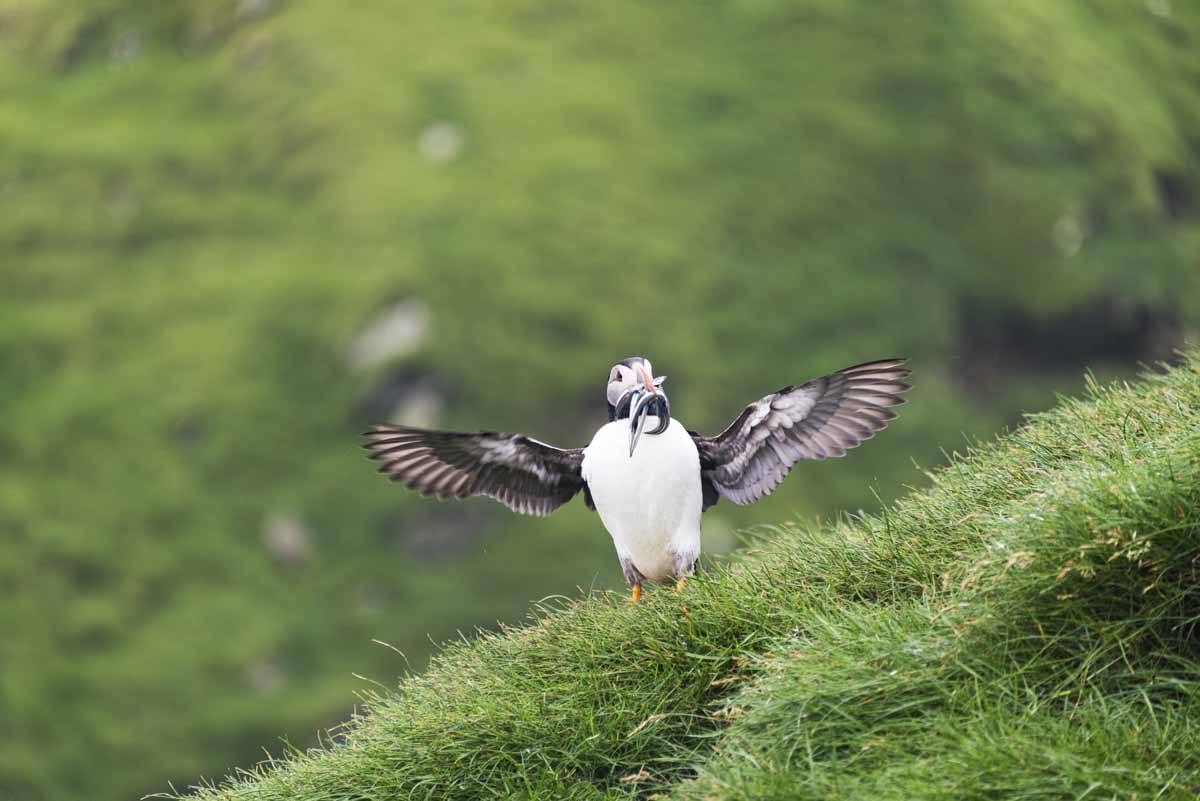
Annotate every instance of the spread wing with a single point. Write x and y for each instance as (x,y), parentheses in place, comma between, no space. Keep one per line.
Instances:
(821,419)
(525,475)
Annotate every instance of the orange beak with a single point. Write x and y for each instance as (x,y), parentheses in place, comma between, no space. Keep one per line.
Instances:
(648,380)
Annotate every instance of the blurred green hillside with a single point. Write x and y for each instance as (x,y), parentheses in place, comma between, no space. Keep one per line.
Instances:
(204,206)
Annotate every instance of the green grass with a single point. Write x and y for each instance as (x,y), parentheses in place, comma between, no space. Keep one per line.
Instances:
(193,232)
(1025,628)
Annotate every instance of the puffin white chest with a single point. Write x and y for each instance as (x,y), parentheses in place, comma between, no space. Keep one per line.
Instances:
(649,502)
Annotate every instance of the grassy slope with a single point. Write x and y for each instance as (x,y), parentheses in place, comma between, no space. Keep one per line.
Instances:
(190,238)
(1026,628)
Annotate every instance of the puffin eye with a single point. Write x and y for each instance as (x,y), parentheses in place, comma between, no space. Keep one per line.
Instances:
(617,375)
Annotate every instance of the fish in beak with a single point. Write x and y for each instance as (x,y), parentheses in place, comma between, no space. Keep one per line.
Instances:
(649,400)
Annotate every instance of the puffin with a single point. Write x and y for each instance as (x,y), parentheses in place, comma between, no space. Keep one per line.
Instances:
(649,478)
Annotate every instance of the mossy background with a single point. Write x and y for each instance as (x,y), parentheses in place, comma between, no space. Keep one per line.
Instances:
(202,204)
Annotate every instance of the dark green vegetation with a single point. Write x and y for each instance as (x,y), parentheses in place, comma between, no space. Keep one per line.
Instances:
(1029,627)
(203,202)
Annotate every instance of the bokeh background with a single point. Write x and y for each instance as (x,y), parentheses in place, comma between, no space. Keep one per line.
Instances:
(235,232)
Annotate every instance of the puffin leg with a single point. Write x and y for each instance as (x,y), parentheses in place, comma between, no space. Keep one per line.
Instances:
(685,566)
(634,578)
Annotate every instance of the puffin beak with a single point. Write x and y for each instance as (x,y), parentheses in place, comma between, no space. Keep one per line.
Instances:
(648,380)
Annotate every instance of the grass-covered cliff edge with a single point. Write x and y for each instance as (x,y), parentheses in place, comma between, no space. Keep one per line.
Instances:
(1025,628)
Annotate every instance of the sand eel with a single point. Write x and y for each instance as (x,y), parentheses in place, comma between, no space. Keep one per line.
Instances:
(647,476)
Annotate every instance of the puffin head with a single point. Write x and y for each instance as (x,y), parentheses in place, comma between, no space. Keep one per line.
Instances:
(634,392)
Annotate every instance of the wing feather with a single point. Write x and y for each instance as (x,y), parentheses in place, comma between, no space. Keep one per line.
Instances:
(524,474)
(821,419)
